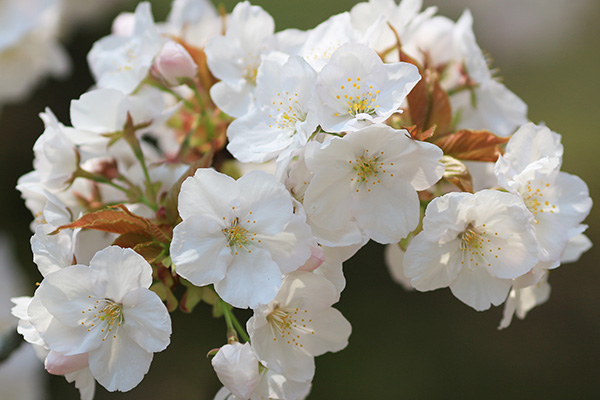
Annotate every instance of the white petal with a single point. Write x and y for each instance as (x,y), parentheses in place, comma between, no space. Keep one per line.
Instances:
(118,271)
(120,364)
(146,320)
(199,250)
(252,279)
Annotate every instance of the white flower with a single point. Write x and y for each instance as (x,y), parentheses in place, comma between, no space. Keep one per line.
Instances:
(55,154)
(558,201)
(235,57)
(370,178)
(122,62)
(29,47)
(356,89)
(298,325)
(107,311)
(240,235)
(283,120)
(475,244)
(236,366)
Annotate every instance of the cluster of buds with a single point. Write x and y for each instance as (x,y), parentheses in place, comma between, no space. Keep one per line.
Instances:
(369,126)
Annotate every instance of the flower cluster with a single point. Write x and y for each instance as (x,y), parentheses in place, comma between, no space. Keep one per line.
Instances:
(369,125)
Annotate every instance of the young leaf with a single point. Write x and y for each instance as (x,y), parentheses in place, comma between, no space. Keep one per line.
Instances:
(472,145)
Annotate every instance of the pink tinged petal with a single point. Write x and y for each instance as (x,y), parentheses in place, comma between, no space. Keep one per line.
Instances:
(389,211)
(204,194)
(316,259)
(478,289)
(120,364)
(59,364)
(119,271)
(174,63)
(199,250)
(146,320)
(252,279)
(236,366)
(431,265)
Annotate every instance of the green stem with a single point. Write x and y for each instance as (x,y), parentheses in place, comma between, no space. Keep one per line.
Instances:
(233,325)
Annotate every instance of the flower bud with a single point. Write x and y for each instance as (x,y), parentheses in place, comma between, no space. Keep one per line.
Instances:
(174,63)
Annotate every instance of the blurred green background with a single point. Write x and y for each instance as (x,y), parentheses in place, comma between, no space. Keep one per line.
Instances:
(404,344)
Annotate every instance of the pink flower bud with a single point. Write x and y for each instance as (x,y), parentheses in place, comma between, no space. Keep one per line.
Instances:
(59,364)
(174,63)
(124,24)
(317,257)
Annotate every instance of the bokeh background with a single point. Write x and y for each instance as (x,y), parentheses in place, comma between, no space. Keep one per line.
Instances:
(404,344)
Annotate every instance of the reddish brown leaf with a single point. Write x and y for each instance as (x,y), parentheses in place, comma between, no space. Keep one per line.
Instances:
(118,219)
(151,251)
(472,145)
(429,104)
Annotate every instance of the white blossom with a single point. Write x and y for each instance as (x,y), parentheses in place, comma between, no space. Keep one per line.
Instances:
(107,311)
(122,62)
(298,325)
(475,244)
(370,178)
(283,120)
(240,235)
(356,89)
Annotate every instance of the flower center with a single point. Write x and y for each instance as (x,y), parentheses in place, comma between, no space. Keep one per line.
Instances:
(236,234)
(359,99)
(289,324)
(106,315)
(288,112)
(534,201)
(477,247)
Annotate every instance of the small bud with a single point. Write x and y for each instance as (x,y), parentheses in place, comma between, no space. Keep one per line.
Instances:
(317,257)
(174,63)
